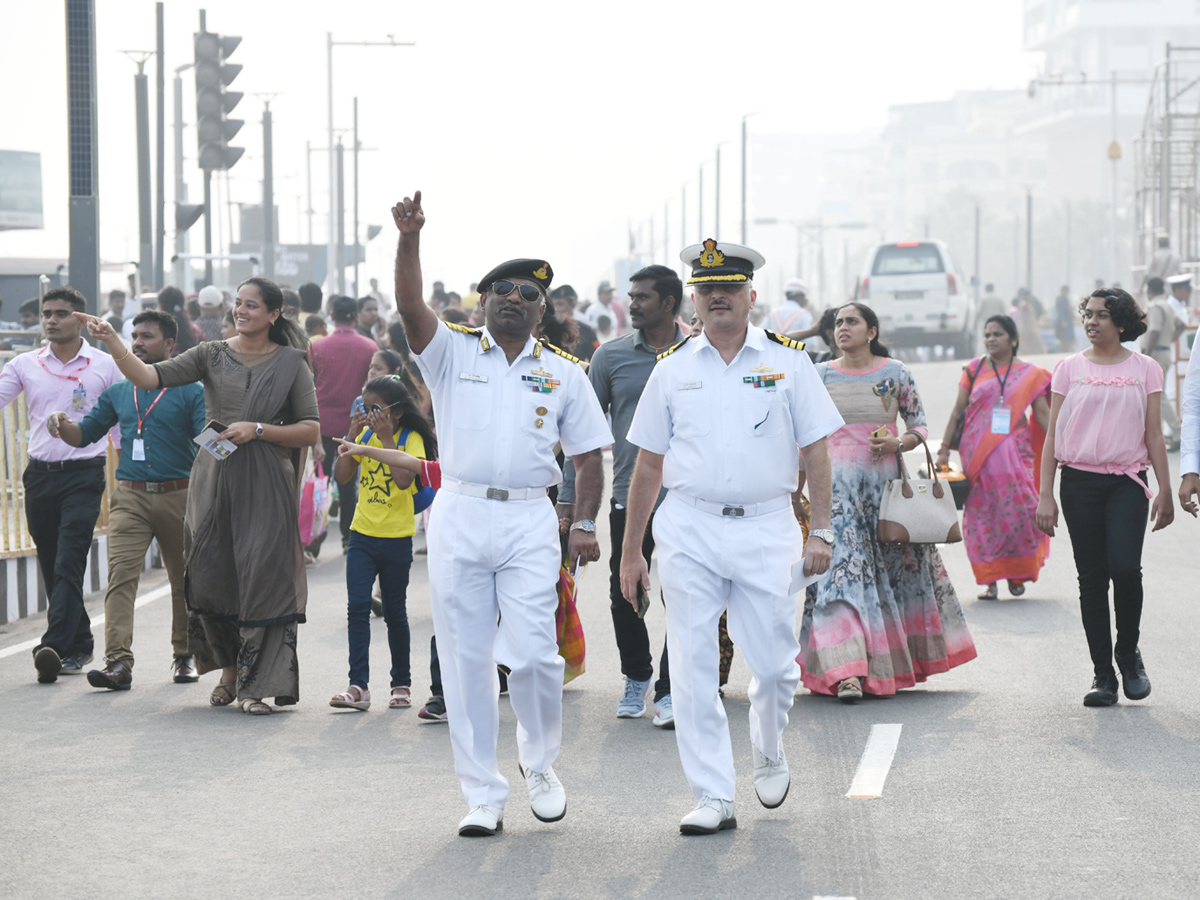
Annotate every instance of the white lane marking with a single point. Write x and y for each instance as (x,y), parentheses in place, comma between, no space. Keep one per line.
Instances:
(148,597)
(875,763)
(830,897)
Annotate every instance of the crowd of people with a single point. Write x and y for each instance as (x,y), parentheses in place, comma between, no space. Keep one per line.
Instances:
(752,465)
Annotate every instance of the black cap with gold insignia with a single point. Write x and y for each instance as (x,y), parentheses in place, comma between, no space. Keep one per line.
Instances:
(713,261)
(536,270)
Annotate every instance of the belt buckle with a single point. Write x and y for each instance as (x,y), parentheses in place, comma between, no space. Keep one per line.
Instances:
(153,487)
(734,512)
(497,494)
(55,466)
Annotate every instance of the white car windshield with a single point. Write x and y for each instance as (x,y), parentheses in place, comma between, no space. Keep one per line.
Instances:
(911,259)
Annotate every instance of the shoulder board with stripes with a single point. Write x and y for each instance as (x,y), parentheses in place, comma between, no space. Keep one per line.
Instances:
(563,353)
(671,350)
(783,339)
(464,329)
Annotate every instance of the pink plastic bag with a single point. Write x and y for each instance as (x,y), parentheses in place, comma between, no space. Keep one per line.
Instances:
(314,506)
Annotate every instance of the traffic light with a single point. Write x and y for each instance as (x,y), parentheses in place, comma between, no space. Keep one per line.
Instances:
(214,101)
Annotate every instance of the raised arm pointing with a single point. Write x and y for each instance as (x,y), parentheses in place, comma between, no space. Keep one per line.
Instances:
(420,323)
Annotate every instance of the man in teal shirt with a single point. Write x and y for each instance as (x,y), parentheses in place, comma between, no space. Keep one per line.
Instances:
(150,499)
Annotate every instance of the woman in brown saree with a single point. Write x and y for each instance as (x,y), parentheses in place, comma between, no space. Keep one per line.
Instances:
(245,582)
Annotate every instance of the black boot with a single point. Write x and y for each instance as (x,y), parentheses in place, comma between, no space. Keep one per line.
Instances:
(1133,676)
(1103,692)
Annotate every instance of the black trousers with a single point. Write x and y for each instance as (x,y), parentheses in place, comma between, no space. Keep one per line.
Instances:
(347,493)
(61,509)
(1106,516)
(633,641)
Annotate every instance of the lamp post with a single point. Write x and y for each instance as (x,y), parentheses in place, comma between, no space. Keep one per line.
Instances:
(334,196)
(717,220)
(744,118)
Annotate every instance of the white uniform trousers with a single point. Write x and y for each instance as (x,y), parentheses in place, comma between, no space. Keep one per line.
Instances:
(706,563)
(489,559)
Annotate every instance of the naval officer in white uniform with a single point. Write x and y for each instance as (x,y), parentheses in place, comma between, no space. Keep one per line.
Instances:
(721,423)
(502,402)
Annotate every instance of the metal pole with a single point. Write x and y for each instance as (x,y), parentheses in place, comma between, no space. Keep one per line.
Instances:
(340,251)
(1067,204)
(977,247)
(84,215)
(683,228)
(268,200)
(308,176)
(1164,205)
(141,88)
(743,180)
(666,232)
(717,218)
(1029,239)
(208,266)
(356,294)
(160,235)
(700,203)
(1112,225)
(331,244)
(181,243)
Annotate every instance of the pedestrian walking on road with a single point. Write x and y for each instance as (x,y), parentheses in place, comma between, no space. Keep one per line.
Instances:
(63,485)
(721,424)
(1005,412)
(157,453)
(502,402)
(381,535)
(887,616)
(1163,328)
(618,374)
(246,585)
(1105,430)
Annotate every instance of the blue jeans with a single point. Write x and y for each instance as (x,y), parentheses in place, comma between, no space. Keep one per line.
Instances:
(390,559)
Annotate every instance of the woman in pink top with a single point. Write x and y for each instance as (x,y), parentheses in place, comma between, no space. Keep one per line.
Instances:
(1104,431)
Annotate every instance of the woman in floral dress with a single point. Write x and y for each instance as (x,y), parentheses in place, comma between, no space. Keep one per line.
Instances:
(886,615)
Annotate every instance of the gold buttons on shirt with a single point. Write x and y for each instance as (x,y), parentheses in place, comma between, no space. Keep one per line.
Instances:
(541,410)
(540,422)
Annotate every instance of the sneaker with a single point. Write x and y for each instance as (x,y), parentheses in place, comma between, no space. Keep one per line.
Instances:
(709,817)
(547,798)
(434,710)
(73,664)
(1103,692)
(633,704)
(664,713)
(48,664)
(1133,676)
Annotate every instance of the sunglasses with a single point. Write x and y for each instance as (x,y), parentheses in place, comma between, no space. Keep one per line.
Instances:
(375,407)
(529,293)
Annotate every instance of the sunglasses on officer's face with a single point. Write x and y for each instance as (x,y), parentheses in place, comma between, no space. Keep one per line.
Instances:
(528,292)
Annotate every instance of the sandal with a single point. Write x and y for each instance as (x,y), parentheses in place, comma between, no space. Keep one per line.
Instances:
(354,698)
(991,593)
(1016,588)
(401,697)
(223,694)
(252,707)
(849,690)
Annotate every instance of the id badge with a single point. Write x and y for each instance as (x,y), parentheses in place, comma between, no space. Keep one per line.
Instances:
(139,449)
(1000,419)
(78,398)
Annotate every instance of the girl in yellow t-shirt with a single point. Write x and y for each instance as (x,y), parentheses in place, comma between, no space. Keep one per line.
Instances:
(381,534)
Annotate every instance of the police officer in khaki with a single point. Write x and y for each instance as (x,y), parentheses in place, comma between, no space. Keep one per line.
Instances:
(721,424)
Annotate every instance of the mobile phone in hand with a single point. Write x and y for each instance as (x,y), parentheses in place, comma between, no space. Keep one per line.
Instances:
(880,432)
(643,604)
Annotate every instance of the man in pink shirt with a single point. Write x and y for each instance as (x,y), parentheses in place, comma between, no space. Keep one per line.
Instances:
(63,484)
(340,363)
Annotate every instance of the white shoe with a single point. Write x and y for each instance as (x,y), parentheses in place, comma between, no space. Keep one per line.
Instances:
(547,798)
(709,817)
(664,713)
(771,778)
(482,821)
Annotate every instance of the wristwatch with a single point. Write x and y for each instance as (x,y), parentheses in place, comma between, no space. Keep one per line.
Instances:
(584,525)
(258,430)
(824,534)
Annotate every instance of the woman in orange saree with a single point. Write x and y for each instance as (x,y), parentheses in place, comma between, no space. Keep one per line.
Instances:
(1005,401)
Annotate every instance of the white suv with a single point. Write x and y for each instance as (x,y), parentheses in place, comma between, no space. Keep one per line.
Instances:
(916,291)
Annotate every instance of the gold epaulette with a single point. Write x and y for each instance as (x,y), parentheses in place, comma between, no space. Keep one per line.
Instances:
(563,353)
(671,350)
(464,329)
(784,339)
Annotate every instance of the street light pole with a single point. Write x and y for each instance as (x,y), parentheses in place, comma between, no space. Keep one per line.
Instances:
(356,294)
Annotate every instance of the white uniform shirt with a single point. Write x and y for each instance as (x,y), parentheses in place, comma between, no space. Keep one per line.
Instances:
(498,424)
(1189,410)
(729,434)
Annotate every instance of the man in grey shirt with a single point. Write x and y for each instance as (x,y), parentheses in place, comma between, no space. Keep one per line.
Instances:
(619,371)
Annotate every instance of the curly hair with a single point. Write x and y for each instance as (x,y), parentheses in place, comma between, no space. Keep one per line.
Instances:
(1124,310)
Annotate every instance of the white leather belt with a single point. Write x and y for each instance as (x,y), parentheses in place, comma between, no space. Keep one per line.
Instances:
(491,493)
(735,511)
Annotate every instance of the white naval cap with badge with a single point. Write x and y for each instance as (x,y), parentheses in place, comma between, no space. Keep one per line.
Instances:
(725,263)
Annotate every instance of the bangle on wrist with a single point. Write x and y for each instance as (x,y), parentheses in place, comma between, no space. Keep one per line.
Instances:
(118,359)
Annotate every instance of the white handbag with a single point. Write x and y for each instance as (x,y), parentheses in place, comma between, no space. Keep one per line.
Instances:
(917,510)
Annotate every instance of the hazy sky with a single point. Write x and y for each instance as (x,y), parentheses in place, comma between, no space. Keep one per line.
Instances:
(533,128)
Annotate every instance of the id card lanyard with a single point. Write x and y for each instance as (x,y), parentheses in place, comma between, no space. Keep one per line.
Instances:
(139,446)
(1001,417)
(79,395)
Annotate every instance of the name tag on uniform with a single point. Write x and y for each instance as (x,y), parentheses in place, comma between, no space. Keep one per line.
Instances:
(471,376)
(689,385)
(1000,420)
(139,449)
